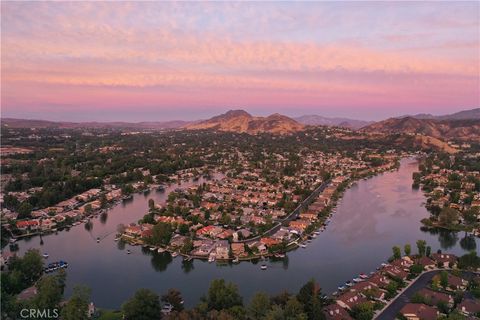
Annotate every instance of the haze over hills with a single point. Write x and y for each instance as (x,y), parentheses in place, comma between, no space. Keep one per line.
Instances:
(27,123)
(461,115)
(440,129)
(243,122)
(316,120)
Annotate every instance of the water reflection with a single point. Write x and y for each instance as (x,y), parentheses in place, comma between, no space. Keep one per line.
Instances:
(103,217)
(187,266)
(160,261)
(468,242)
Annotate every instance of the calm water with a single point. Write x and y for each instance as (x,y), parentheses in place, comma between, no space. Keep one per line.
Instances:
(373,216)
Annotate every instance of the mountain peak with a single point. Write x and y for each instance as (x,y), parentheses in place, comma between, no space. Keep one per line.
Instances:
(242,122)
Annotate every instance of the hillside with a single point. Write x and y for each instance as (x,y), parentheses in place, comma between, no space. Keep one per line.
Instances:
(243,122)
(316,120)
(440,129)
(461,115)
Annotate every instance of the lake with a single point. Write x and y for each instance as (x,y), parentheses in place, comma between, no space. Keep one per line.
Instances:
(373,216)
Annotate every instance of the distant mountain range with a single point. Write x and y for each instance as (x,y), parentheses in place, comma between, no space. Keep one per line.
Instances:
(462,125)
(26,123)
(243,122)
(316,120)
(461,115)
(440,129)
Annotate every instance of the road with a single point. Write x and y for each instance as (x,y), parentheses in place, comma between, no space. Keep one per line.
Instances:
(394,308)
(292,215)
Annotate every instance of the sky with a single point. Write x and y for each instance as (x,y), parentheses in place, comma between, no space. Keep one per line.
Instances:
(158,61)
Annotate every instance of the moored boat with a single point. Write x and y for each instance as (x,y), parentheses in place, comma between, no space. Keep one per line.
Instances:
(263,267)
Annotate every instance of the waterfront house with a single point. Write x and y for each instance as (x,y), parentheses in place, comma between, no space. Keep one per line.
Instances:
(419,311)
(404,263)
(335,312)
(444,260)
(28,224)
(222,250)
(238,249)
(177,241)
(350,299)
(395,272)
(425,262)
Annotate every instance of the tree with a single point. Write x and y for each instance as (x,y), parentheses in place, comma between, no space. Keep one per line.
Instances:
(421,246)
(222,295)
(448,216)
(144,305)
(428,251)
(363,311)
(294,310)
(30,266)
(259,306)
(444,279)
(397,253)
(469,261)
(161,233)
(407,249)
(174,297)
(50,291)
(151,204)
(24,210)
(310,296)
(77,307)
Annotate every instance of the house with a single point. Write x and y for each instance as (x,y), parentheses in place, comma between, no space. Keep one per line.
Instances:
(444,260)
(404,263)
(222,250)
(177,241)
(426,262)
(133,231)
(419,311)
(350,299)
(28,293)
(469,307)
(434,297)
(238,249)
(335,312)
(23,225)
(269,242)
(380,280)
(456,283)
(396,272)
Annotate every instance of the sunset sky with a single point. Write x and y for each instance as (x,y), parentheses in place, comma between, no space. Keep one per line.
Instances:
(155,61)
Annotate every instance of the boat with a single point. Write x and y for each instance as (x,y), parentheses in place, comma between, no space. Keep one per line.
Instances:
(357,280)
(303,245)
(98,240)
(236,260)
(152,248)
(211,258)
(174,254)
(116,239)
(160,250)
(45,255)
(341,288)
(13,240)
(362,276)
(279,255)
(263,267)
(349,283)
(128,251)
